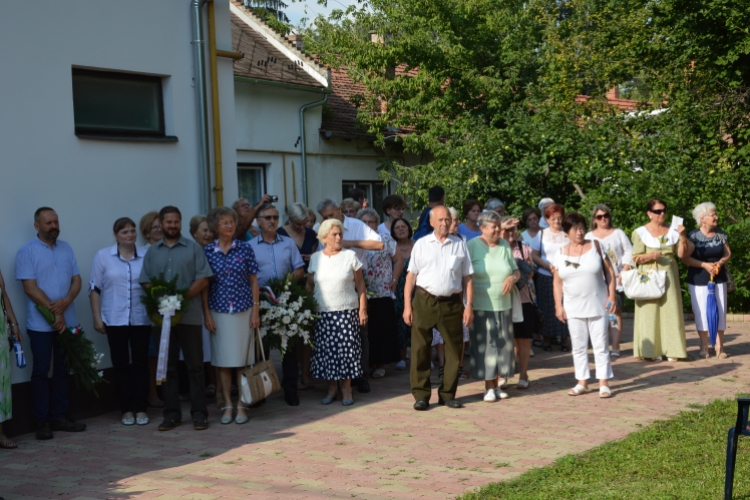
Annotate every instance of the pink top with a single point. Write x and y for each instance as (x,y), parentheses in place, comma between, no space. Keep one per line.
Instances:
(526,255)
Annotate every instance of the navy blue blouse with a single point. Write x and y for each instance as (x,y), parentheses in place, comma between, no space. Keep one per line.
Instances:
(229,290)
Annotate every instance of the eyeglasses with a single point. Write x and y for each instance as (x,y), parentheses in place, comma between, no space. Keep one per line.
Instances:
(659,211)
(602,216)
(270,217)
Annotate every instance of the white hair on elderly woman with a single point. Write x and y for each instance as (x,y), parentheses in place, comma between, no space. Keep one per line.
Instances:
(493,204)
(297,212)
(488,217)
(368,211)
(326,226)
(453,212)
(702,210)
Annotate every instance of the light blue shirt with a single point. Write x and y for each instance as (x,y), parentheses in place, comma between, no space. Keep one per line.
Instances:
(276,259)
(116,281)
(467,233)
(53,269)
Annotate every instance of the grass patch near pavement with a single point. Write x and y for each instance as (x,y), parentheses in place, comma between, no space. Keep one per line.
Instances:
(680,458)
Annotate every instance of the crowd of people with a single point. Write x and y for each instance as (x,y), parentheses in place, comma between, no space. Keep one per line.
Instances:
(388,296)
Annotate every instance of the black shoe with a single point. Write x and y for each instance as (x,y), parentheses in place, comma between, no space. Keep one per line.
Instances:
(200,422)
(422,405)
(43,431)
(258,404)
(67,425)
(291,399)
(169,424)
(363,385)
(452,403)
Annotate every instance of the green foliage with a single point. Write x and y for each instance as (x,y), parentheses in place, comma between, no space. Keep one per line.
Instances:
(487,91)
(682,457)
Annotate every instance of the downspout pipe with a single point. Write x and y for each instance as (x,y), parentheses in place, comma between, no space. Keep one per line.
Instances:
(199,70)
(303,142)
(215,107)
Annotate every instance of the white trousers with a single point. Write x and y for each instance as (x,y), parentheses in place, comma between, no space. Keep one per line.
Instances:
(699,295)
(581,329)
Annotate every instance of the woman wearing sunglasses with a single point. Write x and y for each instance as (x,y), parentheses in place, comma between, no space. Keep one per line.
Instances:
(659,325)
(618,248)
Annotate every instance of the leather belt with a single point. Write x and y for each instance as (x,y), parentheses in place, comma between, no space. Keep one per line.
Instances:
(438,298)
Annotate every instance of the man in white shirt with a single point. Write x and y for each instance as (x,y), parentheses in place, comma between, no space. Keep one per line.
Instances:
(358,237)
(440,268)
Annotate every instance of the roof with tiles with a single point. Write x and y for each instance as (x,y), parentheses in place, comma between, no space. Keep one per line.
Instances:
(264,59)
(341,118)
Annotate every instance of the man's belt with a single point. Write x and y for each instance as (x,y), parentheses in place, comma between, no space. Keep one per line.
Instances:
(438,298)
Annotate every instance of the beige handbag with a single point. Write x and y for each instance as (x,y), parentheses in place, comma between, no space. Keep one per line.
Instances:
(260,380)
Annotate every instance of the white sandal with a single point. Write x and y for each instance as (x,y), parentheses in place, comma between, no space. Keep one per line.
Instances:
(224,419)
(578,390)
(605,392)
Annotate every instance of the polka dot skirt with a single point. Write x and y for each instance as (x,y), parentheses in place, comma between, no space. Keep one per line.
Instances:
(338,352)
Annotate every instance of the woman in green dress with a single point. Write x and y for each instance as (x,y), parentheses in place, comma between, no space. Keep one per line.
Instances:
(659,329)
(8,327)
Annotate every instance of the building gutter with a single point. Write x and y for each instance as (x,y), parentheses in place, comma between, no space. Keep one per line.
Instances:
(303,144)
(199,70)
(288,86)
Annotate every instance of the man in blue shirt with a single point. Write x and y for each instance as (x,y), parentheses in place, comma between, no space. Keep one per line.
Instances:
(49,272)
(278,255)
(435,198)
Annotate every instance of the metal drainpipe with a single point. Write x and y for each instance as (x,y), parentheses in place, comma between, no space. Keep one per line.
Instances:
(303,145)
(199,62)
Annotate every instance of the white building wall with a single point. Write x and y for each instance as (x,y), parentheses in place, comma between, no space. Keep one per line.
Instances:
(93,182)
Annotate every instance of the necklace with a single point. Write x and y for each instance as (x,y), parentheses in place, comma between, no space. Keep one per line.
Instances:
(578,260)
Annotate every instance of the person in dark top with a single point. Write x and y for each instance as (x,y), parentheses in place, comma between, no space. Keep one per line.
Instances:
(707,255)
(359,196)
(296,228)
(435,197)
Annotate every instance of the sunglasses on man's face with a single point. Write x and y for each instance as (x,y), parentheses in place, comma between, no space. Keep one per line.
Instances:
(659,211)
(270,217)
(602,216)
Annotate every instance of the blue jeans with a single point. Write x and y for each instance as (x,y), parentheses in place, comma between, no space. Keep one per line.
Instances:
(50,401)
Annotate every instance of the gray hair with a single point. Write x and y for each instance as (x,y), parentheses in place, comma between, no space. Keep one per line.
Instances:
(213,217)
(297,212)
(601,207)
(368,211)
(488,217)
(453,212)
(264,208)
(702,210)
(326,226)
(544,202)
(236,203)
(327,202)
(493,203)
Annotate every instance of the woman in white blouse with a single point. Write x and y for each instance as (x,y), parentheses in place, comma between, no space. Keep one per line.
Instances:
(335,275)
(545,246)
(617,246)
(115,297)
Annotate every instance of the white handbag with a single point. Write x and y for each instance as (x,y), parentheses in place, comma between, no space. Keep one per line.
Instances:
(644,285)
(517,307)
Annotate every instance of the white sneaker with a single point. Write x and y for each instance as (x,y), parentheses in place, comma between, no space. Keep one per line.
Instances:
(401,365)
(501,394)
(504,384)
(490,396)
(522,384)
(531,353)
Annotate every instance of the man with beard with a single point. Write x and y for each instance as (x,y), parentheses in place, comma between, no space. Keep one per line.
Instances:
(440,268)
(176,255)
(49,272)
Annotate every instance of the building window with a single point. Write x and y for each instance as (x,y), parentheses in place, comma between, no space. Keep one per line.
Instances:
(108,104)
(374,190)
(252,181)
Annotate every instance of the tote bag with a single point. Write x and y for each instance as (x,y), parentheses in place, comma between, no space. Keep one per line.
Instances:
(644,285)
(260,380)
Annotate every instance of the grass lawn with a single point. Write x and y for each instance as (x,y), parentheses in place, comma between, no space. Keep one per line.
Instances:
(680,458)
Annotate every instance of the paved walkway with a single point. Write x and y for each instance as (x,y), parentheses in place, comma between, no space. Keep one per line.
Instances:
(378,448)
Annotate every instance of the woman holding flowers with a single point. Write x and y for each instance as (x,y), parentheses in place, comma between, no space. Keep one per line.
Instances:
(336,278)
(232,307)
(114,294)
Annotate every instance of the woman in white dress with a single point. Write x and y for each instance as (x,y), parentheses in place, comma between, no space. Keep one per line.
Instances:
(545,247)
(617,247)
(530,219)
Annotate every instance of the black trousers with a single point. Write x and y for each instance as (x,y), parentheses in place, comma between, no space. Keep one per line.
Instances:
(190,339)
(290,370)
(128,348)
(447,317)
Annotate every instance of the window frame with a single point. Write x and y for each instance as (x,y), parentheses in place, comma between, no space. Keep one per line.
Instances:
(123,134)
(253,166)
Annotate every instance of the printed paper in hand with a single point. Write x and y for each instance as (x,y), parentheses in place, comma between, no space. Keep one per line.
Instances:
(676,221)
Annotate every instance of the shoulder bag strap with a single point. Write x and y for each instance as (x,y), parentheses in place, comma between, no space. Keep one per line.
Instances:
(601,256)
(541,243)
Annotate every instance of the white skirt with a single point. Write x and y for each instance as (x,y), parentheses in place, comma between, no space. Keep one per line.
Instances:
(230,343)
(698,295)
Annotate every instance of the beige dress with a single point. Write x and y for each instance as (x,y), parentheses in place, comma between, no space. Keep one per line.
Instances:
(659,328)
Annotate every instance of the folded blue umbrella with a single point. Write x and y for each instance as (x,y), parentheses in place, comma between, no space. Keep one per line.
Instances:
(712,312)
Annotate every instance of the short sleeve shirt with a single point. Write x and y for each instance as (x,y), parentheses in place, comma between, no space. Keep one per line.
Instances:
(277,258)
(379,273)
(184,259)
(229,290)
(440,267)
(334,280)
(491,267)
(116,281)
(707,250)
(53,268)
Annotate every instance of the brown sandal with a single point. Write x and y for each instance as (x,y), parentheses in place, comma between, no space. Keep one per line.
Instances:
(6,443)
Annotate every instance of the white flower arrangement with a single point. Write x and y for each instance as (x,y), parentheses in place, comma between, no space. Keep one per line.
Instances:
(169,304)
(286,316)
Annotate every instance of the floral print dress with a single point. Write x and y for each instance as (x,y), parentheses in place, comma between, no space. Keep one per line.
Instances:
(5,382)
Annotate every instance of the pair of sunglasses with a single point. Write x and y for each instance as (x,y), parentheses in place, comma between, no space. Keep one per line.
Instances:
(659,211)
(602,216)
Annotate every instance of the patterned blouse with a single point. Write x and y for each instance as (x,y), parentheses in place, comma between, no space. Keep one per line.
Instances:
(706,250)
(229,290)
(379,273)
